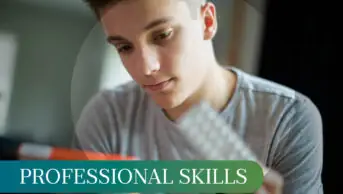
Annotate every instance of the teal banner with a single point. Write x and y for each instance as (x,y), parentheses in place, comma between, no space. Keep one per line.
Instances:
(130,176)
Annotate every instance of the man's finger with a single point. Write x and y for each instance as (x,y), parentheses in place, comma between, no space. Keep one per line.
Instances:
(273,182)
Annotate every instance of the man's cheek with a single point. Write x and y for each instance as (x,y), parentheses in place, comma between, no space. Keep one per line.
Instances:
(169,65)
(131,70)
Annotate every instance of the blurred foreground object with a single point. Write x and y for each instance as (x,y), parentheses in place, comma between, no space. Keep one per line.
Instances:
(216,140)
(213,137)
(15,150)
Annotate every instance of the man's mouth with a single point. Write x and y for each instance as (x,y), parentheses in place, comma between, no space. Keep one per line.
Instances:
(158,86)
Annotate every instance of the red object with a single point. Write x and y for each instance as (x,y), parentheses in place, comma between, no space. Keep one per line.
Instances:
(68,154)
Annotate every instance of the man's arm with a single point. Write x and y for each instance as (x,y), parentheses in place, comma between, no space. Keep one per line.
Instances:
(299,149)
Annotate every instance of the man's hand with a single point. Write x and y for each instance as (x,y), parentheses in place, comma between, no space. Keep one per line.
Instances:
(272,183)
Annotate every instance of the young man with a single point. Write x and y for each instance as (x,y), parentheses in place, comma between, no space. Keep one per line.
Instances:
(166,47)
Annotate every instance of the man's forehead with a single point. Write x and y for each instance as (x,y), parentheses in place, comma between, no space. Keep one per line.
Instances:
(194,5)
(143,16)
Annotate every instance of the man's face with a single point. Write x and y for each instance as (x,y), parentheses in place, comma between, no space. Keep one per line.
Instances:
(161,44)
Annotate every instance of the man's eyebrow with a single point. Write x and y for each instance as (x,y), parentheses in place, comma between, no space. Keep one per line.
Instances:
(158,22)
(147,27)
(115,38)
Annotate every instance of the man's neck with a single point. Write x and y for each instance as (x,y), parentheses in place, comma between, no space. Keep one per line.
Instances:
(217,90)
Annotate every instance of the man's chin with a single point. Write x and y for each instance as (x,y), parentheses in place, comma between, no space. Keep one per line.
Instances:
(166,102)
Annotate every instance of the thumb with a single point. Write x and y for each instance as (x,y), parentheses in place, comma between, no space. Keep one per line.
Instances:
(273,182)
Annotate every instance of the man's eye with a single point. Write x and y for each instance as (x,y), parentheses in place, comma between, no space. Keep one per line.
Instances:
(164,35)
(123,48)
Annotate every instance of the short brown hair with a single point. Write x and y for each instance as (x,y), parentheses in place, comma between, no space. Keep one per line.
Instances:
(98,5)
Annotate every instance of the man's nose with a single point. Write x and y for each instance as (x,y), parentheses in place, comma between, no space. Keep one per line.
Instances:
(148,62)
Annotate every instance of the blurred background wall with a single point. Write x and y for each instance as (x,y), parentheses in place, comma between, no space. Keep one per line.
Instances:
(46,38)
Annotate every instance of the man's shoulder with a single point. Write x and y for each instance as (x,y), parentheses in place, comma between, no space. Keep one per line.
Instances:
(273,101)
(107,112)
(264,87)
(267,92)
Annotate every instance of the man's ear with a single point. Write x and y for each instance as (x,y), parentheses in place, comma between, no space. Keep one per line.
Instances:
(209,18)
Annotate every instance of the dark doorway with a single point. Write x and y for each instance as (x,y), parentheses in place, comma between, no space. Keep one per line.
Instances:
(298,50)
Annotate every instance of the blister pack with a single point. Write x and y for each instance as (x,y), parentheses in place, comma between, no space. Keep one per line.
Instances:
(212,135)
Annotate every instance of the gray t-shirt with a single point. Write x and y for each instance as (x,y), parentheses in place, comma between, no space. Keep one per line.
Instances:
(282,127)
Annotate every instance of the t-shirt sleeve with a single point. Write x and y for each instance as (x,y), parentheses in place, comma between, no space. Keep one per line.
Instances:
(299,149)
(96,129)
